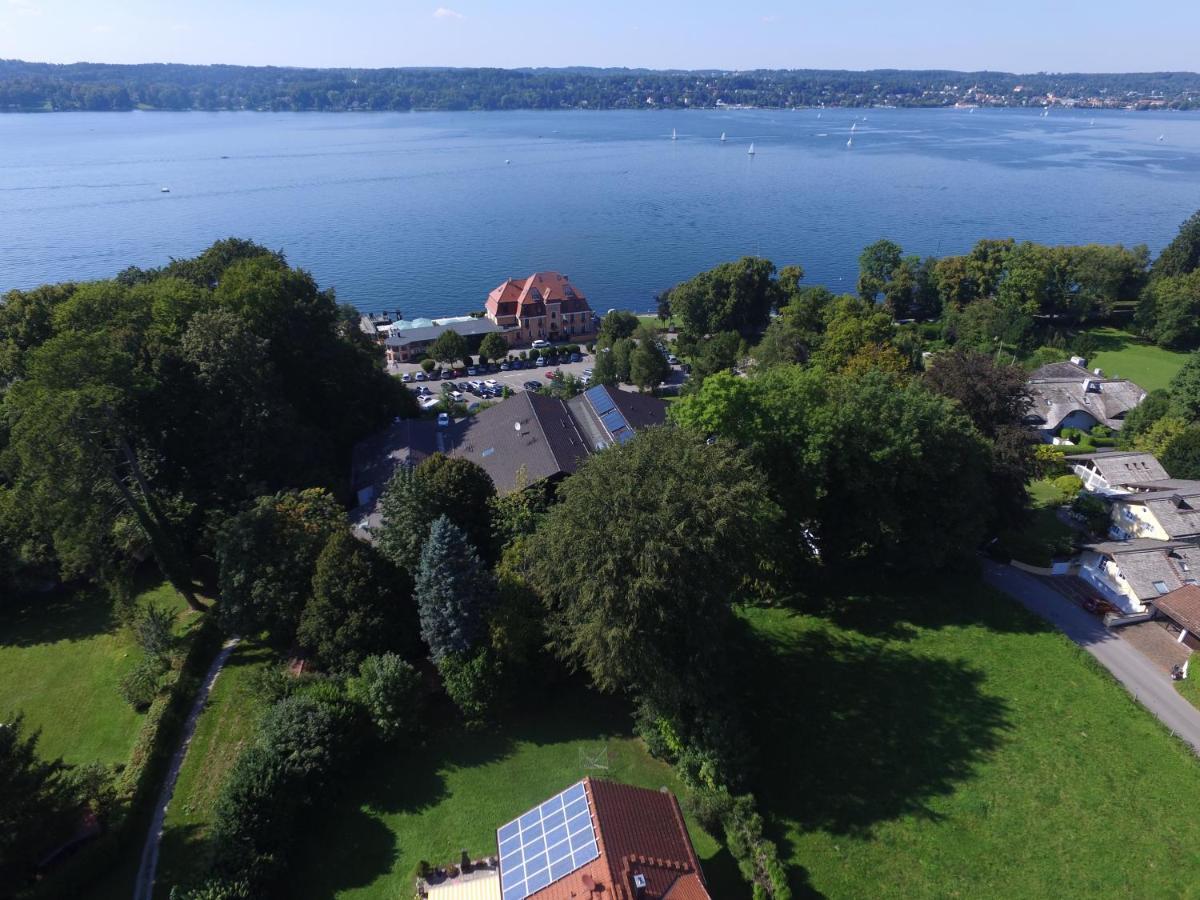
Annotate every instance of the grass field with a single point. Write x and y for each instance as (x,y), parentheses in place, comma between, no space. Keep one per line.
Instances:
(1123,355)
(948,745)
(225,726)
(431,803)
(61,660)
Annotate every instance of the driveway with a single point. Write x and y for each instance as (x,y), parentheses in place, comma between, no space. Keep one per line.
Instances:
(1141,677)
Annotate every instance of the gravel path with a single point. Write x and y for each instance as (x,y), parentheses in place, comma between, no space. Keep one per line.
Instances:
(143,888)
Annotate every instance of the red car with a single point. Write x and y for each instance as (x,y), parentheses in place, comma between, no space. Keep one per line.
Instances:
(1098,606)
(550,375)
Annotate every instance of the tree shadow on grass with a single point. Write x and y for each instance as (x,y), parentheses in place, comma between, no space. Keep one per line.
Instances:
(897,610)
(364,849)
(854,732)
(58,616)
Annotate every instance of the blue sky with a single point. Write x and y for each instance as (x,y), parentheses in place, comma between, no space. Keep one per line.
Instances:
(1020,35)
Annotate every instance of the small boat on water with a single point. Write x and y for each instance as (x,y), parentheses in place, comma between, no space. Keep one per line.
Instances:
(722,137)
(818,115)
(164,190)
(750,152)
(1162,138)
(853,126)
(849,143)
(674,136)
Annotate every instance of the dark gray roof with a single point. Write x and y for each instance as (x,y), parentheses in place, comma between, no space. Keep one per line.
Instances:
(1177,511)
(406,336)
(553,440)
(1117,467)
(404,442)
(1144,561)
(547,444)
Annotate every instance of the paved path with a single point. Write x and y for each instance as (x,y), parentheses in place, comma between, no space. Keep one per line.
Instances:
(1153,689)
(143,888)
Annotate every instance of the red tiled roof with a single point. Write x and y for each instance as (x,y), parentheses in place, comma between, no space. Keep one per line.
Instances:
(528,298)
(1182,605)
(638,832)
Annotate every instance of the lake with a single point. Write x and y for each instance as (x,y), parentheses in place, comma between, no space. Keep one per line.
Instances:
(426,212)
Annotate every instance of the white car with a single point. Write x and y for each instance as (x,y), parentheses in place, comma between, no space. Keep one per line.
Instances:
(540,345)
(428,403)
(443,420)
(492,383)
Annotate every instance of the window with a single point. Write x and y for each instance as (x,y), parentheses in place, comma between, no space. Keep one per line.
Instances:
(1160,586)
(1127,513)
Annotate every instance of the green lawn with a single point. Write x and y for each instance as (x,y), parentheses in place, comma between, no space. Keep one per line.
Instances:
(402,807)
(61,660)
(225,726)
(946,744)
(1125,356)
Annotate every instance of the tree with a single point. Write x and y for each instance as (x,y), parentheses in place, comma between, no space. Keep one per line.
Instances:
(389,690)
(75,443)
(35,803)
(356,606)
(1184,392)
(639,562)
(615,325)
(876,267)
(303,734)
(648,366)
(440,485)
(990,324)
(994,396)
(737,296)
(266,557)
(717,353)
(604,371)
(1170,311)
(453,591)
(449,347)
(493,346)
(1182,255)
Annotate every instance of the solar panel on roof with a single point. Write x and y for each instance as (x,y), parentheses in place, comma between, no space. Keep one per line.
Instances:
(614,421)
(623,435)
(600,399)
(547,843)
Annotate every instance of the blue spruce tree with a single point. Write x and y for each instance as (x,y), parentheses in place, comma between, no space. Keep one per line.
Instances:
(453,590)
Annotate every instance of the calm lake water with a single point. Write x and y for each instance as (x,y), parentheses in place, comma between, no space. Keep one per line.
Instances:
(426,212)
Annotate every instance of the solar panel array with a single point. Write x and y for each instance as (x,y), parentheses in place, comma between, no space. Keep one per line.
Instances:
(547,843)
(606,409)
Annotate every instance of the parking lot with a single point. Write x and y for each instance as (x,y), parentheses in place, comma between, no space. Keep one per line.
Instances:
(514,380)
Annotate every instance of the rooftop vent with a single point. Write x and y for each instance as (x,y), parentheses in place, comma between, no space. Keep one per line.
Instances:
(1091,387)
(639,882)
(1079,361)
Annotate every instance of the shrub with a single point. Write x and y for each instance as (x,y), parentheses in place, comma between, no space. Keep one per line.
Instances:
(214,889)
(389,690)
(470,681)
(152,627)
(428,365)
(301,733)
(141,685)
(1066,489)
(1094,511)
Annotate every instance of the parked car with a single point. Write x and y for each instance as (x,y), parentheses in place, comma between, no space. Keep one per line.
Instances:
(406,377)
(457,396)
(443,420)
(472,370)
(575,357)
(1099,606)
(540,345)
(492,383)
(587,373)
(504,367)
(541,361)
(428,403)
(532,385)
(447,387)
(420,376)
(550,373)
(673,359)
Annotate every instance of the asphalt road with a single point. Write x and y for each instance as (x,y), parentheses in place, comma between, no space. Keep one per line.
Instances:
(1149,686)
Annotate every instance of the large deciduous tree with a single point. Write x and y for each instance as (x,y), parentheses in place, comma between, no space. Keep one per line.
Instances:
(737,296)
(639,562)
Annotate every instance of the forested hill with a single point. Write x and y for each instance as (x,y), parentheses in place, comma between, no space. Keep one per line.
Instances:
(28,86)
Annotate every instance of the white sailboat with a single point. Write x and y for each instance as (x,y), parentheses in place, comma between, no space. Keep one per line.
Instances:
(853,126)
(849,143)
(1162,138)
(818,115)
(1045,111)
(722,137)
(750,152)
(674,136)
